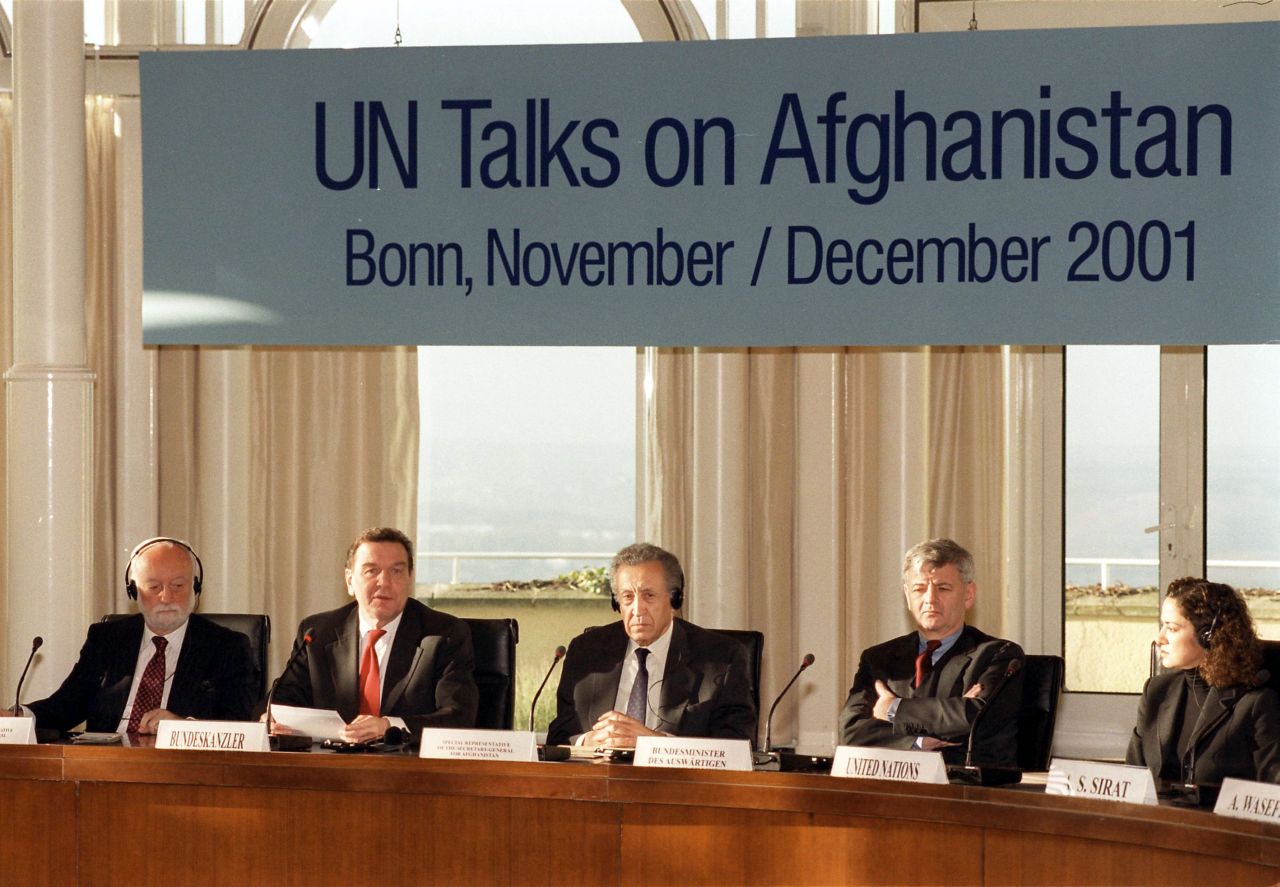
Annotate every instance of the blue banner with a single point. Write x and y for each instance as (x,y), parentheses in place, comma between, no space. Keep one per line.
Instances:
(1083,186)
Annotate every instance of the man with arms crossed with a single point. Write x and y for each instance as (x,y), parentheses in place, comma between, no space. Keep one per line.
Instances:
(651,674)
(925,689)
(384,659)
(163,663)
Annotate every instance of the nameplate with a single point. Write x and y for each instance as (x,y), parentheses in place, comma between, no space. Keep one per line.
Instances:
(1249,800)
(862,762)
(213,735)
(479,745)
(1106,782)
(689,752)
(18,731)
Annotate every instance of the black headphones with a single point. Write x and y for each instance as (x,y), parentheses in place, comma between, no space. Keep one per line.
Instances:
(131,587)
(1205,635)
(677,597)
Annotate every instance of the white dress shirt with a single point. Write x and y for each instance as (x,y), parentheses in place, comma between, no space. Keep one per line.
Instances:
(145,651)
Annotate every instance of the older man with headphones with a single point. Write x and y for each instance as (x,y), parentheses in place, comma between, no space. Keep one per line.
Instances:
(651,674)
(164,662)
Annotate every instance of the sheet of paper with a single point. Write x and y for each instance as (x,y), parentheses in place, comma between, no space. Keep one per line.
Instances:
(318,723)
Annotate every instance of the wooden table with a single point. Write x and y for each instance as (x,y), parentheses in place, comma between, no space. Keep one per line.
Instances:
(94,815)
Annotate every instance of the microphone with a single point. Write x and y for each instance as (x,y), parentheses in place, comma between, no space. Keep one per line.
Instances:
(768,724)
(559,654)
(293,657)
(994,775)
(36,643)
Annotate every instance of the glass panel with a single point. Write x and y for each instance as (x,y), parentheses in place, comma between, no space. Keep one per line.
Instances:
(1112,496)
(524,450)
(1242,476)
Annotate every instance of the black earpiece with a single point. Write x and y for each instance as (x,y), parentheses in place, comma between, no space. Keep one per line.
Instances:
(131,587)
(1205,635)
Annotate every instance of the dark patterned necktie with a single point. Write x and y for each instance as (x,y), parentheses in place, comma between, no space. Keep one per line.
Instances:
(638,701)
(151,687)
(924,662)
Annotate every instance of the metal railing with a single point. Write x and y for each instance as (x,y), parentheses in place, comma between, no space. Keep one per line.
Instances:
(1104,565)
(455,558)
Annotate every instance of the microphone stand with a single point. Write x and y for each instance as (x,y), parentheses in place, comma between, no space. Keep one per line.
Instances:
(559,654)
(287,742)
(788,761)
(36,643)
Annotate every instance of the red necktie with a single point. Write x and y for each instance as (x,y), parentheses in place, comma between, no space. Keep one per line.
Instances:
(151,687)
(924,662)
(370,677)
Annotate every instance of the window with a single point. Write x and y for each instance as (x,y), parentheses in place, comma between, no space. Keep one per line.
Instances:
(1242,476)
(525,451)
(1172,469)
(1112,499)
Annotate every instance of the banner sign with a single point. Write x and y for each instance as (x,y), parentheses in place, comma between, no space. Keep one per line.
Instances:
(1015,187)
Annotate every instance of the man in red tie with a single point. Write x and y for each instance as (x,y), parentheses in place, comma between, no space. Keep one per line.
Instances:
(163,663)
(384,659)
(925,689)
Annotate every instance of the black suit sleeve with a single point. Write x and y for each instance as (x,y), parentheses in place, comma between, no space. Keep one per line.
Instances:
(947,716)
(857,726)
(294,687)
(456,694)
(566,724)
(950,717)
(72,702)
(1136,755)
(734,716)
(229,687)
(1266,736)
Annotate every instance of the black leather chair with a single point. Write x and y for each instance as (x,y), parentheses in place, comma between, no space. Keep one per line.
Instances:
(255,626)
(494,642)
(1042,686)
(754,643)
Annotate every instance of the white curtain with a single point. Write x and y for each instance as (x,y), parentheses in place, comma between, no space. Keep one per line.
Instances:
(822,466)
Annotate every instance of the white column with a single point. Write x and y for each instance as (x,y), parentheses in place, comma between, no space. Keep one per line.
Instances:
(49,389)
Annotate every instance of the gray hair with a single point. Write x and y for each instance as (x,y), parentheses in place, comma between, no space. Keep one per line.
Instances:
(643,553)
(938,553)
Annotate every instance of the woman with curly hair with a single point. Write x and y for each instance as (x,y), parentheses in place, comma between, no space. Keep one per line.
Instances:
(1209,716)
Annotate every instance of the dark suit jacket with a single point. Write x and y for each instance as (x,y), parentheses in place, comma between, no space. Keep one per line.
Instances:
(213,680)
(939,708)
(1238,734)
(705,690)
(428,677)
